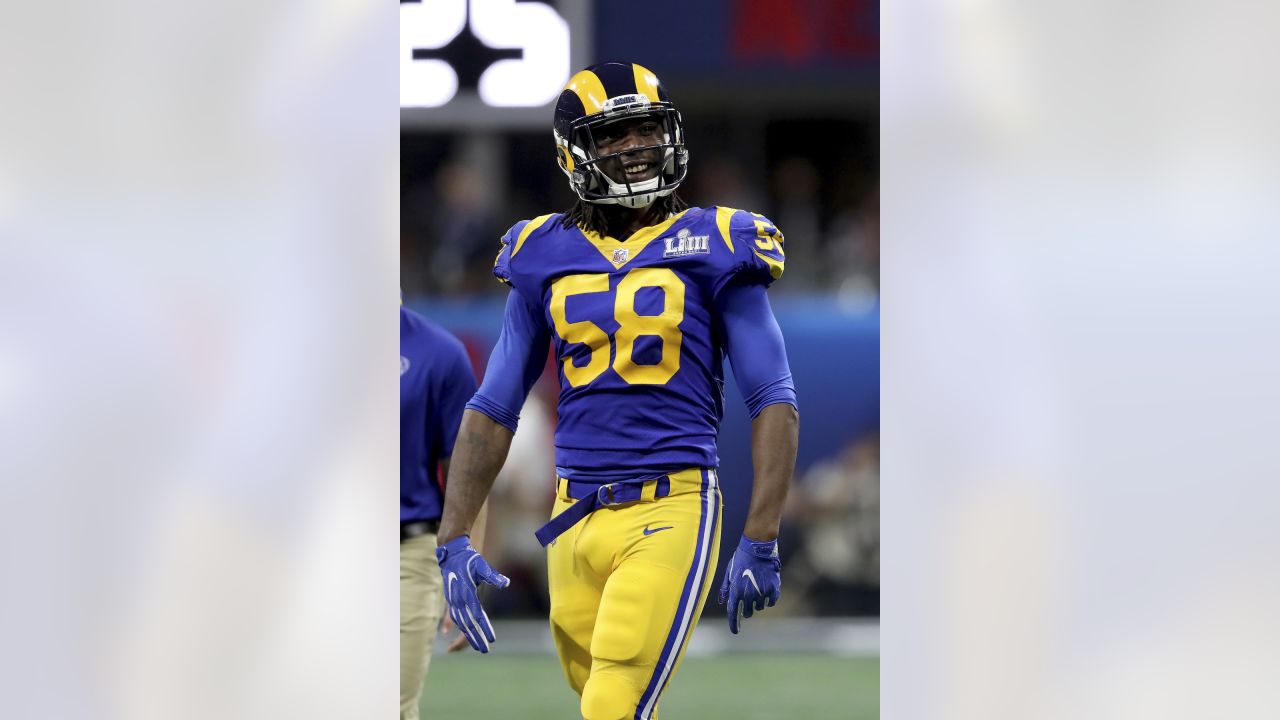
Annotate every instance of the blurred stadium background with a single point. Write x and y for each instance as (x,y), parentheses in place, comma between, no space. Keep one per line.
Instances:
(781,105)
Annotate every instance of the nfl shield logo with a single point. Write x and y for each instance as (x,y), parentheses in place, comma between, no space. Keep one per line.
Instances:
(620,256)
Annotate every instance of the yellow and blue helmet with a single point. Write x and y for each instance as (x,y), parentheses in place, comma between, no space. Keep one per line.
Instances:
(604,94)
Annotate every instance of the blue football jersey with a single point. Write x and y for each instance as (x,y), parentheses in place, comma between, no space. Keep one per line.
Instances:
(636,332)
(435,383)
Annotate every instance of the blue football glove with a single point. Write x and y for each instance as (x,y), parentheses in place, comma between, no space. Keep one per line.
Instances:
(752,580)
(463,568)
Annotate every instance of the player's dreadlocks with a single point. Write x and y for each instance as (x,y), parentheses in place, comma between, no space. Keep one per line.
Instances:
(593,218)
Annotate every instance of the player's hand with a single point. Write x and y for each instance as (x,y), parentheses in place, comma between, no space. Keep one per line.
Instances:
(463,569)
(752,581)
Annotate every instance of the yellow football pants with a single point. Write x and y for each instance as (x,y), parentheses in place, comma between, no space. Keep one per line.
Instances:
(627,585)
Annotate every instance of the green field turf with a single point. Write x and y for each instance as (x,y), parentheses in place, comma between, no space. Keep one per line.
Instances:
(741,687)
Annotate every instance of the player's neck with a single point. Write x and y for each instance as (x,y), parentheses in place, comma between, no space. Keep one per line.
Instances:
(623,221)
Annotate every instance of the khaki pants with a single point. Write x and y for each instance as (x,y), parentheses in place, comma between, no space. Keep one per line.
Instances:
(421,606)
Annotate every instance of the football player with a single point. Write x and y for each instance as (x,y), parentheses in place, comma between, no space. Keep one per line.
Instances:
(642,298)
(435,383)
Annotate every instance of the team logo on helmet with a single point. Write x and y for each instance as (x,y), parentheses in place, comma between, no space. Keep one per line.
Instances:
(622,101)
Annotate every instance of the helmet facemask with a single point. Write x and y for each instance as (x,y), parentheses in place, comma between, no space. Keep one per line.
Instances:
(581,161)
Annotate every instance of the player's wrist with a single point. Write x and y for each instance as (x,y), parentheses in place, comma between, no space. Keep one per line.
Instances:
(761,532)
(758,548)
(452,546)
(448,533)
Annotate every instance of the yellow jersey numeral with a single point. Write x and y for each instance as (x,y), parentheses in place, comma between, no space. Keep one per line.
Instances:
(585,331)
(768,237)
(665,326)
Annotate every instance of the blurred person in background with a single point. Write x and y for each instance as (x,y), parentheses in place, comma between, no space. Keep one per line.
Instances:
(646,297)
(460,235)
(448,231)
(435,383)
(833,515)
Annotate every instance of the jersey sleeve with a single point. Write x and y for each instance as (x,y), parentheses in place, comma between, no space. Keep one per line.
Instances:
(502,263)
(757,246)
(512,243)
(516,362)
(755,347)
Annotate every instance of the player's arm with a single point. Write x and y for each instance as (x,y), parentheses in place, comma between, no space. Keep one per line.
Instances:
(477,537)
(482,447)
(484,439)
(775,434)
(489,423)
(758,355)
(481,522)
(478,527)
(458,387)
(455,390)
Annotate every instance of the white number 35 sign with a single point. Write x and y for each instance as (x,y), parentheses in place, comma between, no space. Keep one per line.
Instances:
(519,49)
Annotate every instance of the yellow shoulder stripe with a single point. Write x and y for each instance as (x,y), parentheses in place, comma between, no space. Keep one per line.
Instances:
(775,267)
(723,216)
(534,224)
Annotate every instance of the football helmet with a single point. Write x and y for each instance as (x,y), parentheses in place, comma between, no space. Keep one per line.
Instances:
(604,94)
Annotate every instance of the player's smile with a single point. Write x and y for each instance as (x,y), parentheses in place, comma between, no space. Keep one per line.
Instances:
(633,167)
(639,169)
(628,152)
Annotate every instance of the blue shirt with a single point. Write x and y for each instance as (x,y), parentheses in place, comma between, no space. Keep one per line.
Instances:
(640,329)
(435,382)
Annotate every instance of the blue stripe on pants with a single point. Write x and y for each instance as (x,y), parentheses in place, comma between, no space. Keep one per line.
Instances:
(686,609)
